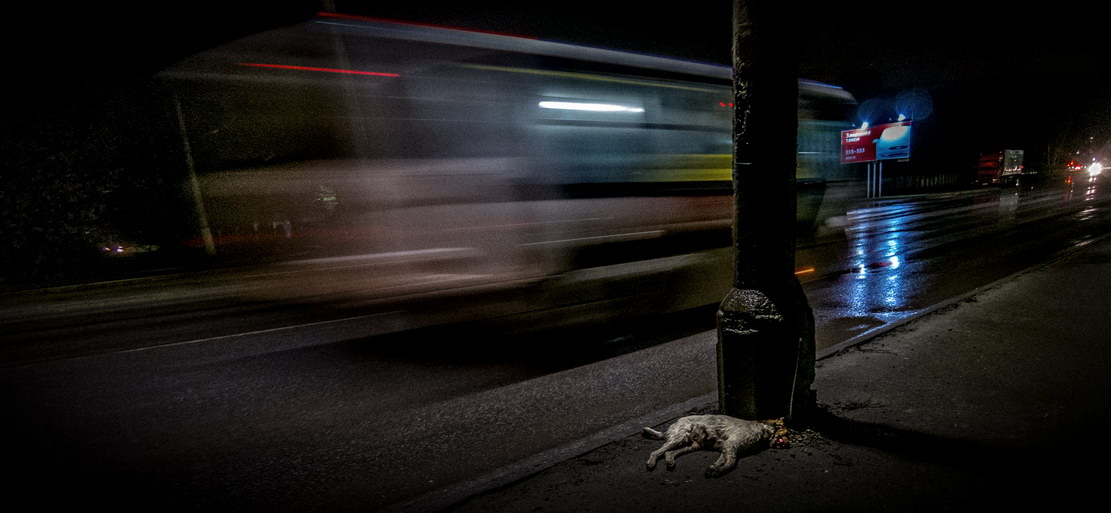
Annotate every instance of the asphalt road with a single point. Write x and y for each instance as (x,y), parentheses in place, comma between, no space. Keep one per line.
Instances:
(138,399)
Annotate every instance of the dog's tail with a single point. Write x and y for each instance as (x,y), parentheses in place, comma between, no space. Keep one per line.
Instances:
(653,434)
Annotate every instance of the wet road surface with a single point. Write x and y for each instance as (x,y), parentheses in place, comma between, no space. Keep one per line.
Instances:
(900,256)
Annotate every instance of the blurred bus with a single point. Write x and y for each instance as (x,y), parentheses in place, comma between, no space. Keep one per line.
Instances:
(398,160)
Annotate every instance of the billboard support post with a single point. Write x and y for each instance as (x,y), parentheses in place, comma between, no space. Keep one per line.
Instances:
(879,178)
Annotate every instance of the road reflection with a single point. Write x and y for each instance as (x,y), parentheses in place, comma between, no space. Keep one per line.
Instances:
(875,240)
(902,256)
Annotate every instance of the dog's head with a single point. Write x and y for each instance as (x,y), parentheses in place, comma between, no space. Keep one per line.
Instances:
(779,438)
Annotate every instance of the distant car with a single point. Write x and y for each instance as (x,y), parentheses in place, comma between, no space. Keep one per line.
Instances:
(121,249)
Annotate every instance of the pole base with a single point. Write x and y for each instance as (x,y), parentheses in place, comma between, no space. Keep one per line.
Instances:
(765,356)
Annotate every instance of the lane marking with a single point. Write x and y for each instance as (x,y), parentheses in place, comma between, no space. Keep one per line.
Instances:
(247,334)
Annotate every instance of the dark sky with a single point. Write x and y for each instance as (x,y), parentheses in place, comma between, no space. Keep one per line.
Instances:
(1001,75)
(943,40)
(1022,75)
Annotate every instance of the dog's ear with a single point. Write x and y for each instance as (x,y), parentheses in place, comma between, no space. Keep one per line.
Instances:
(780,422)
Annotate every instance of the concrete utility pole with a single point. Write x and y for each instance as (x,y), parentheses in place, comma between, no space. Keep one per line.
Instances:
(765,323)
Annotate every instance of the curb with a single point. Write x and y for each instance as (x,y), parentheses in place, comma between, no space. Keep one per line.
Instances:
(514,473)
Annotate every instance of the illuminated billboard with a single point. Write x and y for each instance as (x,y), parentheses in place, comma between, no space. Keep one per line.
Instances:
(881,142)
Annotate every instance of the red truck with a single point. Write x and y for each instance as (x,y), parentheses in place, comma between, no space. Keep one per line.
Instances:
(999,167)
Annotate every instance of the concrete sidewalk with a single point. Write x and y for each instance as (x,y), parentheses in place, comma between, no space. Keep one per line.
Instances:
(996,401)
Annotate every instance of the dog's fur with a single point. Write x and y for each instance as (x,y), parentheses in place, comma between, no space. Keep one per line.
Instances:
(729,435)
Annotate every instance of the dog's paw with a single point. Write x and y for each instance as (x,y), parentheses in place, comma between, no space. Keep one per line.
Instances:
(716,471)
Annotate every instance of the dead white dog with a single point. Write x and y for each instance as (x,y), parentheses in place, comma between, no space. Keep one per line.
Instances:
(729,435)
